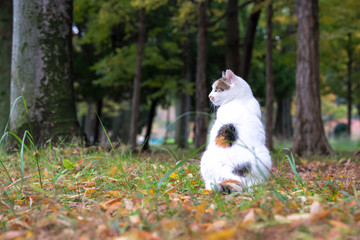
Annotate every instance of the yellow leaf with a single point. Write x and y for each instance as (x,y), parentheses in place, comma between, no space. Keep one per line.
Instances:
(113,171)
(224,234)
(174,176)
(114,193)
(206,192)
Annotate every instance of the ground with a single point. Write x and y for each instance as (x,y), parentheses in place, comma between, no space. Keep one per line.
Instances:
(90,193)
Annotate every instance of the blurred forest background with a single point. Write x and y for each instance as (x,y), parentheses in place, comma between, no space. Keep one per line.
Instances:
(145,68)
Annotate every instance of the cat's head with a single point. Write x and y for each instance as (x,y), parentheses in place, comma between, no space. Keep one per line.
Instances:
(228,88)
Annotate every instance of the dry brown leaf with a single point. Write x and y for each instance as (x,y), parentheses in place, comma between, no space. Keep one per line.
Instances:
(315,208)
(134,219)
(129,205)
(339,224)
(13,234)
(249,217)
(281,219)
(298,217)
(217,225)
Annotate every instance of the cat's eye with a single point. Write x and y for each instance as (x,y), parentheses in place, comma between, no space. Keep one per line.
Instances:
(217,90)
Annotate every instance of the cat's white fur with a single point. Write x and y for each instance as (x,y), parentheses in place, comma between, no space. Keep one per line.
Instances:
(237,106)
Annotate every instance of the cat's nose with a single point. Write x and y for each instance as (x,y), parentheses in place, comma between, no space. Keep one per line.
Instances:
(211,98)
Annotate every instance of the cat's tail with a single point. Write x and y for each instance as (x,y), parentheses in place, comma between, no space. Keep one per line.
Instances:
(229,186)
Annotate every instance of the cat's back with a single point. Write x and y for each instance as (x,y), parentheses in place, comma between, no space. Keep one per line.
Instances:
(244,117)
(237,110)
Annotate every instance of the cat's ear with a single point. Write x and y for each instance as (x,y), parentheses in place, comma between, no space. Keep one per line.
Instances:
(223,74)
(230,76)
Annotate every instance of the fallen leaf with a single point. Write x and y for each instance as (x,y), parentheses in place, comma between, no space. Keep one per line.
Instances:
(224,234)
(114,193)
(129,205)
(216,225)
(134,219)
(206,192)
(339,224)
(249,217)
(12,235)
(281,219)
(298,217)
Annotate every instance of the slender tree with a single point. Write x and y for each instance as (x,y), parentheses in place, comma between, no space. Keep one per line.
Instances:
(269,78)
(183,97)
(232,46)
(137,80)
(248,44)
(283,124)
(349,52)
(309,136)
(5,60)
(151,115)
(42,70)
(201,94)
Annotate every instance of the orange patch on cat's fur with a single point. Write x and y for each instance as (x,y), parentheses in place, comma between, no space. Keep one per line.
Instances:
(222,85)
(222,142)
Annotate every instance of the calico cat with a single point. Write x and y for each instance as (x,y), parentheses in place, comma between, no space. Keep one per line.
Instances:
(236,157)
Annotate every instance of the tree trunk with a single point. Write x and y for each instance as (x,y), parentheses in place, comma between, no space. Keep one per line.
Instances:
(97,116)
(349,51)
(167,126)
(151,116)
(309,131)
(42,71)
(269,79)
(248,45)
(201,127)
(232,48)
(5,61)
(183,99)
(88,129)
(283,125)
(137,80)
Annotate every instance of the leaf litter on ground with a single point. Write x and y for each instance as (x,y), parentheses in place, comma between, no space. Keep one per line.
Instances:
(117,195)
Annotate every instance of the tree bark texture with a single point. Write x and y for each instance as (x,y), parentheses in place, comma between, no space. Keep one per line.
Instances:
(5,61)
(42,71)
(201,123)
(245,63)
(269,79)
(309,136)
(232,48)
(349,51)
(137,79)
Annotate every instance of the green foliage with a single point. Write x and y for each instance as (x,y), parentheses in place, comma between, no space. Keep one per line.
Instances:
(68,164)
(336,24)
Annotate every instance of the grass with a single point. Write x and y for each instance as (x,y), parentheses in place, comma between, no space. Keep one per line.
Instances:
(88,193)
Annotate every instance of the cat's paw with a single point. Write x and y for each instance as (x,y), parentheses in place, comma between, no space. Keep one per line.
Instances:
(229,186)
